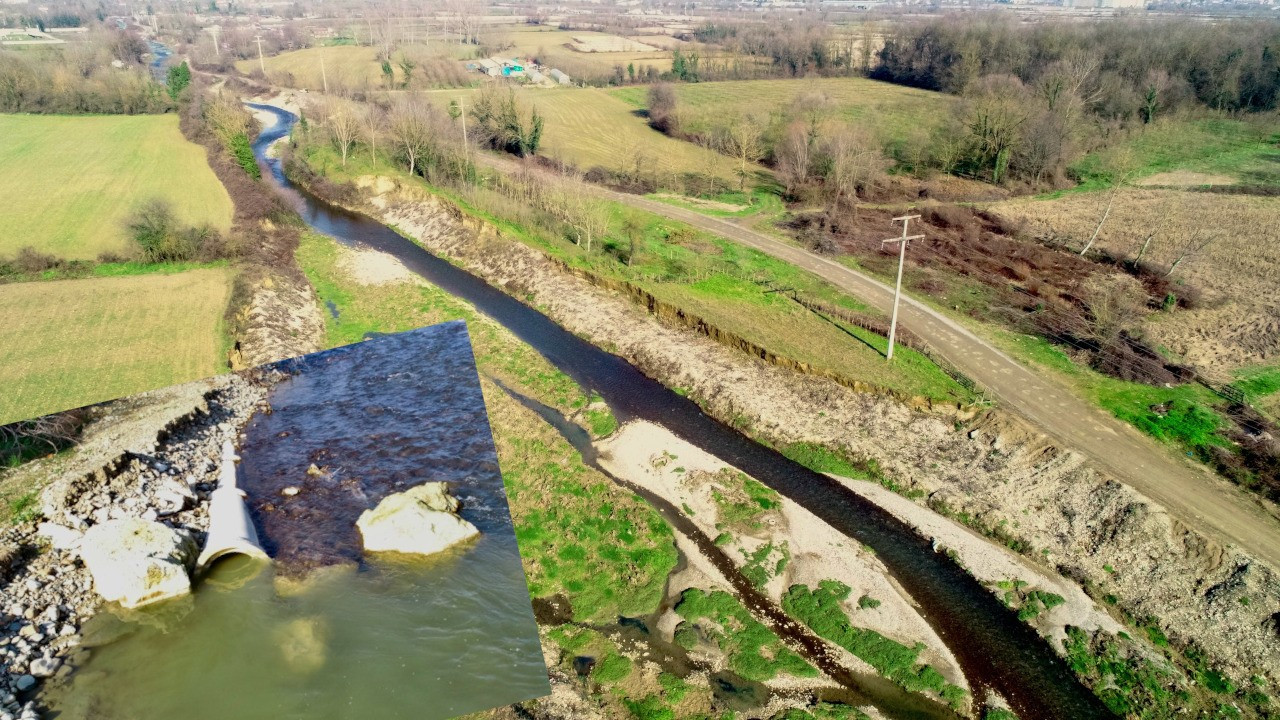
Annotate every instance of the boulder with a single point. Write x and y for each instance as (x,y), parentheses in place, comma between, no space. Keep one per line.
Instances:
(60,537)
(137,562)
(422,520)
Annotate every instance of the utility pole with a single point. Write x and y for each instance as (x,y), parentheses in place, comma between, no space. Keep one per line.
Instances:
(324,77)
(902,259)
(261,63)
(462,113)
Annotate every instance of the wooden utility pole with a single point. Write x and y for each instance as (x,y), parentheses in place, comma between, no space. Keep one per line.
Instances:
(902,259)
(324,77)
(462,113)
(261,63)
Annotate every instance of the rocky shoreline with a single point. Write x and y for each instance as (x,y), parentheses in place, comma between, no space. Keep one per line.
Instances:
(47,594)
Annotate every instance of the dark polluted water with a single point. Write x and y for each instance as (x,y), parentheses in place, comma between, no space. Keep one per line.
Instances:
(994,648)
(325,631)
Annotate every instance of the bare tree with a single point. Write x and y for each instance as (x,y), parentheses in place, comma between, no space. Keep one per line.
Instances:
(1188,248)
(743,138)
(792,156)
(1122,166)
(995,115)
(1116,302)
(373,122)
(409,124)
(343,121)
(854,163)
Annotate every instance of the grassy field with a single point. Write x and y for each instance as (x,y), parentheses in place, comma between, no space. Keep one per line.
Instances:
(1192,151)
(588,127)
(892,110)
(69,183)
(67,343)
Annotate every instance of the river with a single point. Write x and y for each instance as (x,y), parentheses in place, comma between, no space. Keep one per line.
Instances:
(993,647)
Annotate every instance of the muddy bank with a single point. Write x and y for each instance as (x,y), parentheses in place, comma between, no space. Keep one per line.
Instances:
(152,456)
(777,547)
(1046,497)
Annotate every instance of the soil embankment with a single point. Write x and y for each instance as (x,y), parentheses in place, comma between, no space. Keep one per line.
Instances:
(1000,474)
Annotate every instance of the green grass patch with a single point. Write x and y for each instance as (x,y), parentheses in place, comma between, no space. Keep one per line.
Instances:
(71,182)
(822,711)
(754,652)
(1188,416)
(68,343)
(1244,149)
(24,508)
(820,609)
(601,422)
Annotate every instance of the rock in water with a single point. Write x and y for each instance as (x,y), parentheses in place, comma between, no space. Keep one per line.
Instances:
(136,562)
(422,521)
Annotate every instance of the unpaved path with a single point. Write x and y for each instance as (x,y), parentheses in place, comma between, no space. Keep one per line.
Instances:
(1190,492)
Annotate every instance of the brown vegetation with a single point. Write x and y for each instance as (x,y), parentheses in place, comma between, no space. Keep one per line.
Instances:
(81,78)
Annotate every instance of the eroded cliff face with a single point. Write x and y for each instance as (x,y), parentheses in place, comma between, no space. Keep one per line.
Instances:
(280,319)
(999,472)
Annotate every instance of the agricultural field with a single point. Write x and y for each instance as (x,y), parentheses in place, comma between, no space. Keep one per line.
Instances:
(356,67)
(68,343)
(70,183)
(581,52)
(892,110)
(1236,323)
(588,127)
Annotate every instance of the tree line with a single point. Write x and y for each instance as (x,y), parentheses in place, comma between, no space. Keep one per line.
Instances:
(103,74)
(1136,69)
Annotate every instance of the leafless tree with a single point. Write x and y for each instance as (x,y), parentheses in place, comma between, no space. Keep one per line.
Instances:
(792,156)
(854,163)
(743,139)
(343,121)
(1189,247)
(1122,166)
(373,122)
(1116,302)
(409,125)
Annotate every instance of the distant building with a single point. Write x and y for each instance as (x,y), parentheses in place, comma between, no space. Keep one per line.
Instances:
(535,77)
(559,77)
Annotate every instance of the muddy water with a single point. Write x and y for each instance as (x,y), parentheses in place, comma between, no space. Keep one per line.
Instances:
(993,647)
(326,632)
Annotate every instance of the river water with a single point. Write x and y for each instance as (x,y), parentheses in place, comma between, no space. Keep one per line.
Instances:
(324,631)
(994,648)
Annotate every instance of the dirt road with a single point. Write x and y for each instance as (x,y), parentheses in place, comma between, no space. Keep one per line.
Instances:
(1188,491)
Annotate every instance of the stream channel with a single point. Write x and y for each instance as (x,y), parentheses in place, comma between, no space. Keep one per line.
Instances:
(994,648)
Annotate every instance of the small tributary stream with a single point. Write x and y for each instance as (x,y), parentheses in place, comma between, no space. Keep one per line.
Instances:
(994,648)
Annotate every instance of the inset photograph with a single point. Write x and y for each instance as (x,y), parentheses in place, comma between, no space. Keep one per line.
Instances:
(325,536)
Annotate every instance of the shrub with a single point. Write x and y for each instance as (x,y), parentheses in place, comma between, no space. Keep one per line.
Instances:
(157,233)
(30,260)
(243,153)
